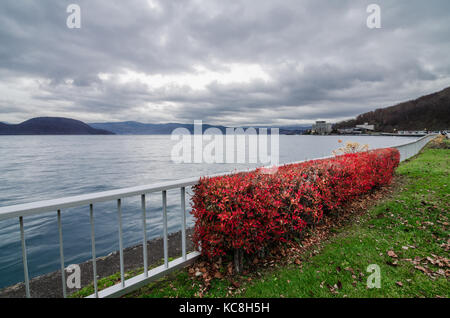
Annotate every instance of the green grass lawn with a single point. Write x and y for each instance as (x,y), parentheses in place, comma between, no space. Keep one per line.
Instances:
(406,235)
(413,224)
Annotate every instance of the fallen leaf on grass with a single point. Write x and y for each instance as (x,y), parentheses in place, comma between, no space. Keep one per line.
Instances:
(421,268)
(230,268)
(349,269)
(332,288)
(235,284)
(394,263)
(392,254)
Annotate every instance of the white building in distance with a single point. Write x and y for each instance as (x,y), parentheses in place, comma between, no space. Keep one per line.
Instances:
(366,126)
(321,127)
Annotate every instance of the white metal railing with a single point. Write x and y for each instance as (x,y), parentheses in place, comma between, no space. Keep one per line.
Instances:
(412,148)
(125,286)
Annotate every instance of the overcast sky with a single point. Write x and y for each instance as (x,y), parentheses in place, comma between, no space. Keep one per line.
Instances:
(223,62)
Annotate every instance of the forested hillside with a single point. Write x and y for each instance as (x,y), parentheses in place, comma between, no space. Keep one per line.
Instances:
(431,112)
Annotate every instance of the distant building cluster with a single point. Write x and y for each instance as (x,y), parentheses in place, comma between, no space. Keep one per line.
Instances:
(321,127)
(358,129)
(366,127)
(412,132)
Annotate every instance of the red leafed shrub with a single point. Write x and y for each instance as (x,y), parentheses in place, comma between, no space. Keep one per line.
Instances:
(248,211)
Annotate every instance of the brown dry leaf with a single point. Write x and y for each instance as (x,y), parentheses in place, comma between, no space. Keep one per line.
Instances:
(230,268)
(421,268)
(349,269)
(441,272)
(332,288)
(235,284)
(392,254)
(432,261)
(394,263)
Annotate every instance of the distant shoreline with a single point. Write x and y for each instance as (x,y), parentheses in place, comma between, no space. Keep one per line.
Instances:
(168,134)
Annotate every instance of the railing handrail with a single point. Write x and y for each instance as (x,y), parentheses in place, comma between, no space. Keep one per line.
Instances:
(413,141)
(36,207)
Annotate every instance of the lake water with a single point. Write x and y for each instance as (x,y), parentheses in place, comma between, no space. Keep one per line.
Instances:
(34,168)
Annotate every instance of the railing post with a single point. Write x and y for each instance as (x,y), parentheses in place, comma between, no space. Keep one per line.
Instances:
(183,222)
(165,234)
(144,243)
(122,270)
(61,255)
(94,257)
(24,258)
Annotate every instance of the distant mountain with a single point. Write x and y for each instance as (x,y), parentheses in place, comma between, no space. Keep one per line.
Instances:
(431,112)
(137,128)
(51,126)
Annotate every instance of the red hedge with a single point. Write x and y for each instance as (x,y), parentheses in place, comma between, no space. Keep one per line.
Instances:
(251,210)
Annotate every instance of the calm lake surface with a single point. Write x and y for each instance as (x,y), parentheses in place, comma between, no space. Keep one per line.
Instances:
(34,168)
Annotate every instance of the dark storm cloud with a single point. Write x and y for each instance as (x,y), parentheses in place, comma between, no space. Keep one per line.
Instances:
(225,62)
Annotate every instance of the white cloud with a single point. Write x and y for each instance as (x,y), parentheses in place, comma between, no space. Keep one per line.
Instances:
(198,79)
